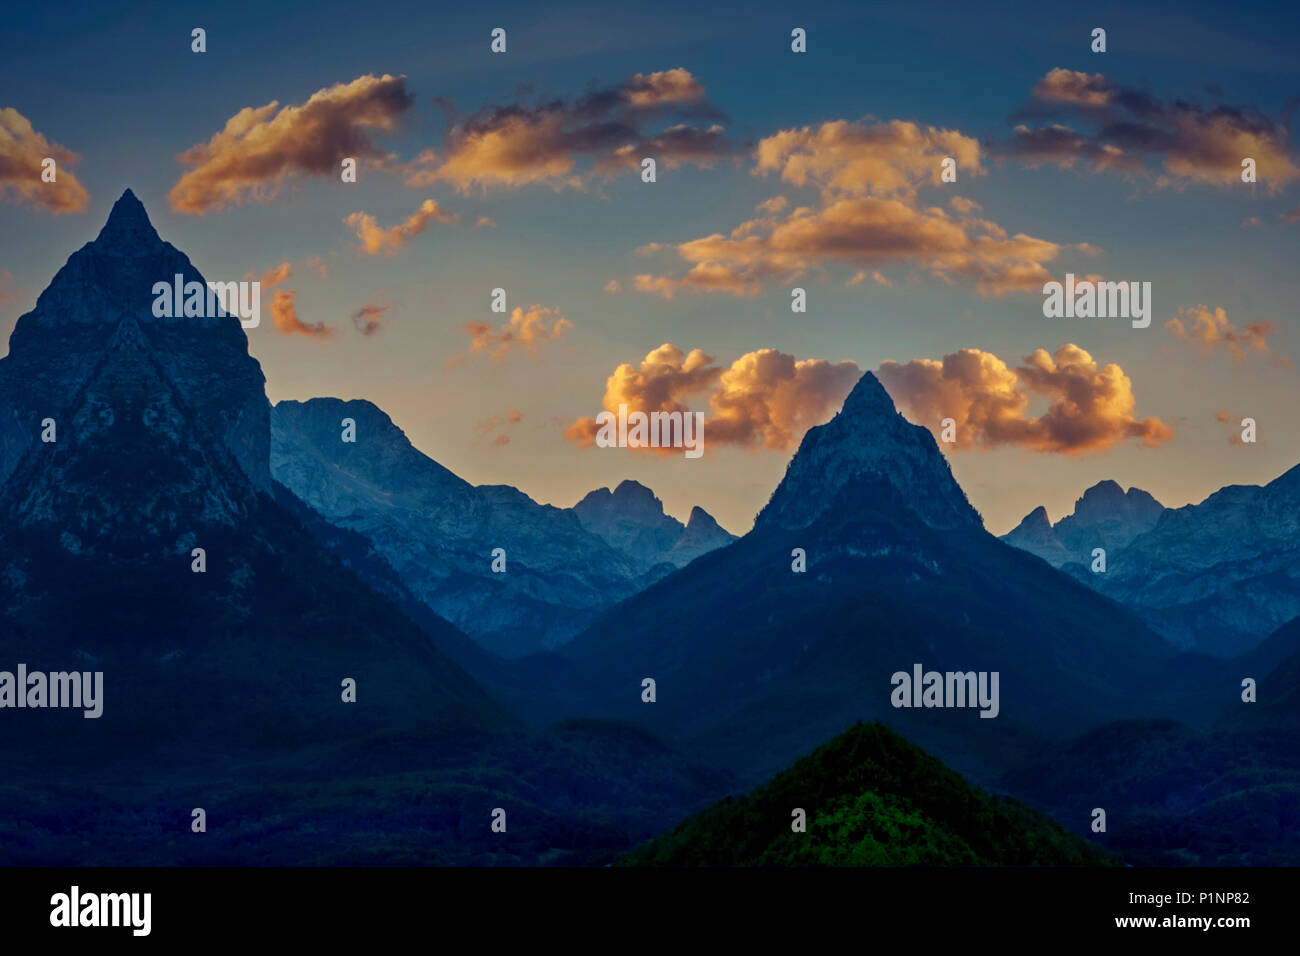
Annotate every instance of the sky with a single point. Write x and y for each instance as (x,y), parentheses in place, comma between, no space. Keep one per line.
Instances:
(775,170)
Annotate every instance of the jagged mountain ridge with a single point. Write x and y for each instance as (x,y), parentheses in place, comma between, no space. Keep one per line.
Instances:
(80,311)
(1219,576)
(438,531)
(758,663)
(1105,516)
(155,455)
(632,520)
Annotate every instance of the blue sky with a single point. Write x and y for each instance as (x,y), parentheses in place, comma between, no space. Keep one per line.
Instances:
(118,86)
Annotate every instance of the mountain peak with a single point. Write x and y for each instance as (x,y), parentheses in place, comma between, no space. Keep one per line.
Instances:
(1035,519)
(868,450)
(128,230)
(1107,498)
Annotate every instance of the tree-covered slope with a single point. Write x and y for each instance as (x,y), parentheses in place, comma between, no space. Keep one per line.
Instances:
(871,799)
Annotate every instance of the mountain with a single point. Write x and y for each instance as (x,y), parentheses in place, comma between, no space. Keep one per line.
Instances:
(632,520)
(159,460)
(702,535)
(1218,576)
(146,541)
(438,532)
(1175,796)
(1035,535)
(756,661)
(870,799)
(1104,517)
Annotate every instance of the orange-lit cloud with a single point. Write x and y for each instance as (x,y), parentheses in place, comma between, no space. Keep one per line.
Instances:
(859,232)
(376,240)
(284,312)
(284,309)
(764,399)
(1211,330)
(868,214)
(858,159)
(1123,128)
(527,330)
(516,145)
(1090,407)
(275,275)
(260,147)
(22,151)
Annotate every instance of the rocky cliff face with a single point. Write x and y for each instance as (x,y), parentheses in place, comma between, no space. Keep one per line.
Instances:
(101,301)
(438,531)
(1218,576)
(702,535)
(563,566)
(143,539)
(865,448)
(632,520)
(1104,517)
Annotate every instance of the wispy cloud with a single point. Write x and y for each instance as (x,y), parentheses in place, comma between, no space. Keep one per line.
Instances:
(260,148)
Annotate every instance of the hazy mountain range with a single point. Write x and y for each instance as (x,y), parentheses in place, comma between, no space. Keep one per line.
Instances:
(563,565)
(230,566)
(1216,577)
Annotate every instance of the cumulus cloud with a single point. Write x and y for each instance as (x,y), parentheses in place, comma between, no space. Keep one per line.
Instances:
(1090,407)
(614,127)
(22,150)
(859,232)
(1212,332)
(1093,122)
(528,330)
(260,147)
(376,240)
(369,319)
(868,214)
(764,399)
(843,158)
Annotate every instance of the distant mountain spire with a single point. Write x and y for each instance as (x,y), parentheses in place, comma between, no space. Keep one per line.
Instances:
(867,446)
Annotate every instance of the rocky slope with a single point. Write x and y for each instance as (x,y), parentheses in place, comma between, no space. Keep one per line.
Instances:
(438,531)
(162,448)
(757,661)
(1218,576)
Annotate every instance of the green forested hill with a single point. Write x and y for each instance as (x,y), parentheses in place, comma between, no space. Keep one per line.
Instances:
(872,799)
